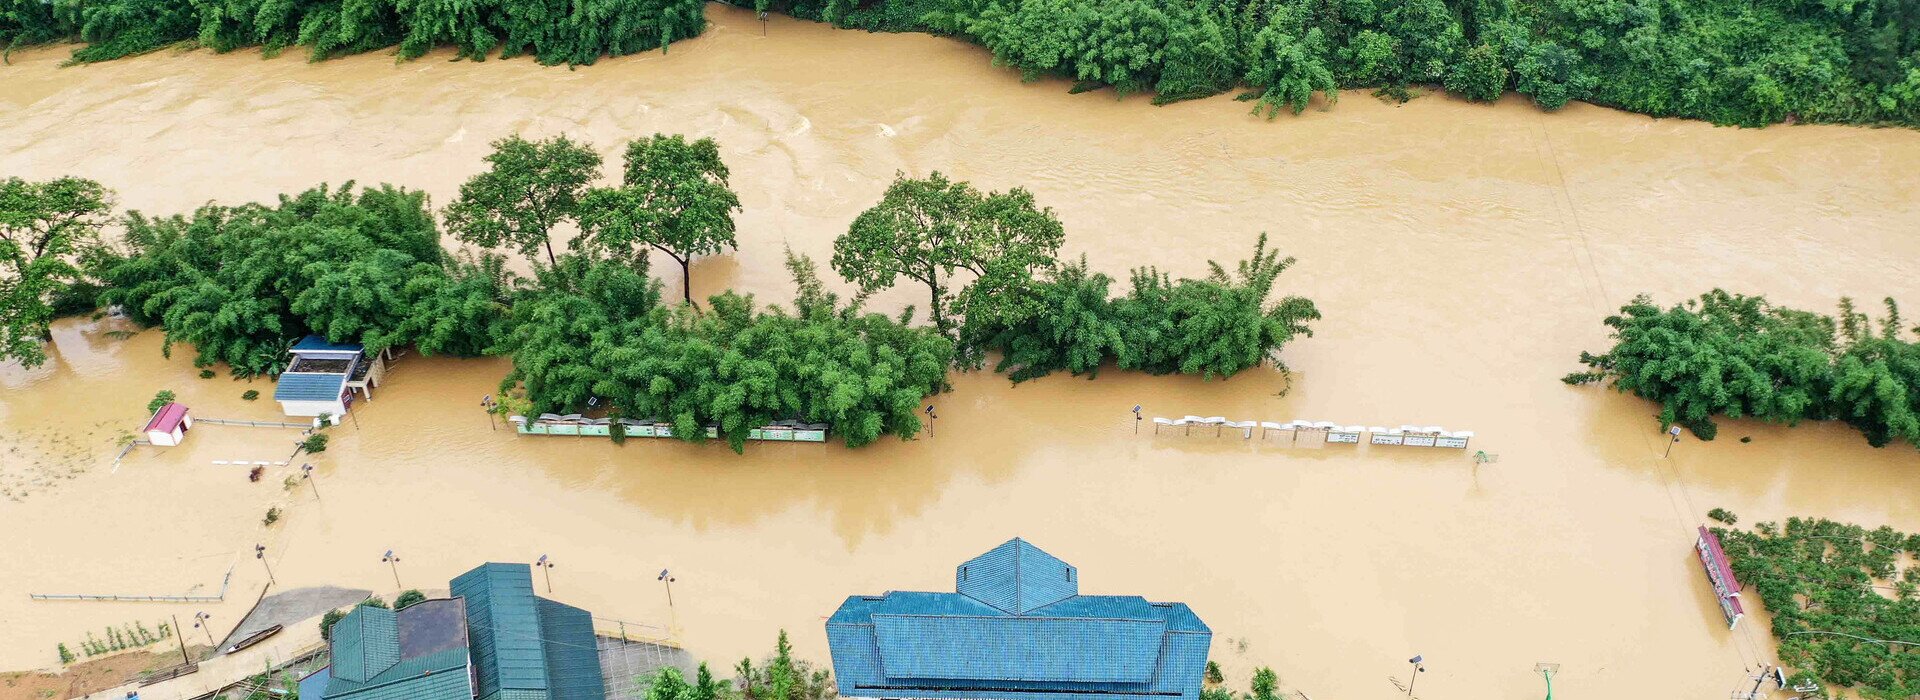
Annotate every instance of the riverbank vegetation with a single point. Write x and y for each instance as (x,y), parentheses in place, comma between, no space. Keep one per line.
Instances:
(588,329)
(1738,356)
(573,33)
(779,676)
(1726,61)
(1842,597)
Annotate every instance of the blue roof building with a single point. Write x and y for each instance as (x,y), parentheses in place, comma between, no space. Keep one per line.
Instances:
(1017,629)
(493,640)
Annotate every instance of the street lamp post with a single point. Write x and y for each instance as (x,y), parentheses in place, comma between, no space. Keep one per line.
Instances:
(666,577)
(486,402)
(392,562)
(931,419)
(1136,419)
(306,473)
(1414,675)
(1673,432)
(200,620)
(546,567)
(260,552)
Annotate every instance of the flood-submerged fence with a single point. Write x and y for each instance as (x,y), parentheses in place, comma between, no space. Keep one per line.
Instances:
(142,598)
(576,425)
(1310,433)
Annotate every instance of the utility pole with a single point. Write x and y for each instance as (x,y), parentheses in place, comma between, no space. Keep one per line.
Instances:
(393,563)
(306,472)
(184,659)
(260,552)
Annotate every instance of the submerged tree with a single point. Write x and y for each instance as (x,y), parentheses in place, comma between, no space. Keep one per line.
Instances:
(674,198)
(529,188)
(44,229)
(929,230)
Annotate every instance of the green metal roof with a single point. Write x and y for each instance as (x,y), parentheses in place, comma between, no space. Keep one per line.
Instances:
(503,620)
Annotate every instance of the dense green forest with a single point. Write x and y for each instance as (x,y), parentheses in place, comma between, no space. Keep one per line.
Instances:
(552,31)
(1744,62)
(588,329)
(1741,357)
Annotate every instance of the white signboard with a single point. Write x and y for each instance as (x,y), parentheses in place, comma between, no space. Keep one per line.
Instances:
(1344,437)
(1456,442)
(1386,439)
(1418,441)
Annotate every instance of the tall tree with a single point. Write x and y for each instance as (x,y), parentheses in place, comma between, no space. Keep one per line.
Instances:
(931,229)
(529,188)
(44,226)
(674,198)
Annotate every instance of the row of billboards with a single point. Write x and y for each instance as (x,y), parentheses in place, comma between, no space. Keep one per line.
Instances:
(551,424)
(1326,431)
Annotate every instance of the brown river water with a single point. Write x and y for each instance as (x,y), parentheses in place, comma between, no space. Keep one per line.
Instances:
(1463,255)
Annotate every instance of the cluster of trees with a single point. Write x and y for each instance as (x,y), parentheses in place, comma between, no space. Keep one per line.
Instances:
(1729,61)
(242,283)
(991,258)
(779,676)
(1739,356)
(572,32)
(1845,585)
(45,229)
(589,329)
(1214,326)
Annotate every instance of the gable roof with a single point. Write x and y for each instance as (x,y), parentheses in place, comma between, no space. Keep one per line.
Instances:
(167,418)
(1017,577)
(504,622)
(302,386)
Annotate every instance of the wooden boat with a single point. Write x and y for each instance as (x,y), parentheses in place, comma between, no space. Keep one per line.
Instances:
(253,639)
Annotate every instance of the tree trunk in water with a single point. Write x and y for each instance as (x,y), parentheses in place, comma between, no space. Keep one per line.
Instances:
(686,280)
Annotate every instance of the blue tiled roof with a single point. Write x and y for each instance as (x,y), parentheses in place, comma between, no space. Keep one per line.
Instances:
(314,343)
(305,386)
(1017,629)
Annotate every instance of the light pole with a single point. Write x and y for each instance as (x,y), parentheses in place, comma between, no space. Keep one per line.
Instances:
(930,420)
(306,473)
(673,616)
(392,562)
(546,567)
(260,552)
(1136,419)
(486,402)
(200,620)
(1673,432)
(1415,674)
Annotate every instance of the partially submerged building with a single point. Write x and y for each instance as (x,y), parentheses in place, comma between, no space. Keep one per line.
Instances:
(169,425)
(1017,628)
(323,375)
(492,639)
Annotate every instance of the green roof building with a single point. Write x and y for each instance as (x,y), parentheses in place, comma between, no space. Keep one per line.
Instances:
(493,639)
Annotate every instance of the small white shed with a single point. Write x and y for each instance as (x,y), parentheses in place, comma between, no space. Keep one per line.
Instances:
(169,425)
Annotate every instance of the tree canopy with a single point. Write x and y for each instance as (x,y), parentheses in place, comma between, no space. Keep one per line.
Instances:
(1738,356)
(528,188)
(44,228)
(674,198)
(931,229)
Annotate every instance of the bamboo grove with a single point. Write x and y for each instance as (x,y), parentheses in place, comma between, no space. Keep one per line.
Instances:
(1744,62)
(589,329)
(1740,357)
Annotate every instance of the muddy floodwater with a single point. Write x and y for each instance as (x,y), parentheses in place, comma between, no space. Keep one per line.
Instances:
(1463,255)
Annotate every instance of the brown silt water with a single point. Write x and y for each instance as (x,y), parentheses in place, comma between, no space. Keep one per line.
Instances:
(1463,256)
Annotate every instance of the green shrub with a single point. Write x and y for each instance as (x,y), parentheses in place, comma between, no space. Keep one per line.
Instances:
(273,516)
(206,374)
(161,399)
(250,395)
(1723,515)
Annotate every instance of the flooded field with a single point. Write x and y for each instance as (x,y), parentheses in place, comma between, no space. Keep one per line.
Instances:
(1463,256)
